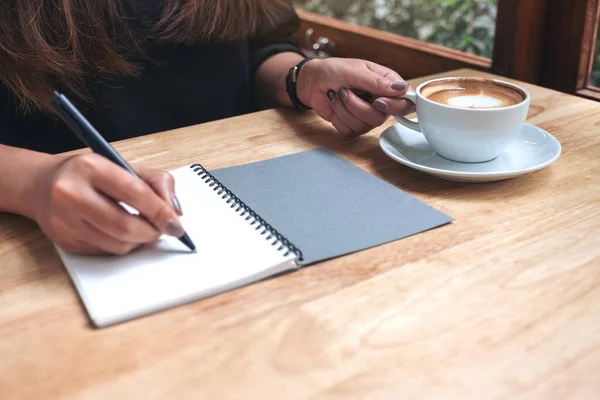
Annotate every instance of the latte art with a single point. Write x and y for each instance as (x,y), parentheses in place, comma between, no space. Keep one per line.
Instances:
(479,99)
(472,93)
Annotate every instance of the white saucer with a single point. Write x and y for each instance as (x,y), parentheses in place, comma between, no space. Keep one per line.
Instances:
(533,150)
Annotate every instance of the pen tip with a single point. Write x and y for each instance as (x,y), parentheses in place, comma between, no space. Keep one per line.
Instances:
(185,239)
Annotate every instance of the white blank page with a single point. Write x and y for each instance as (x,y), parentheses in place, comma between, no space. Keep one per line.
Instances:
(230,253)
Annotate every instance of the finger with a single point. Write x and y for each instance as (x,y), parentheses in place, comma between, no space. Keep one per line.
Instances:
(376,83)
(361,109)
(119,185)
(384,71)
(322,106)
(78,247)
(80,237)
(361,94)
(101,241)
(355,125)
(340,126)
(334,118)
(397,107)
(111,219)
(163,184)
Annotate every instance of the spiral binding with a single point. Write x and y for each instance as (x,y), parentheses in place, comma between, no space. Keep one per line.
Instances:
(245,210)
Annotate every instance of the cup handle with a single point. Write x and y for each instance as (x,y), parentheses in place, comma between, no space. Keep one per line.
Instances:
(411,96)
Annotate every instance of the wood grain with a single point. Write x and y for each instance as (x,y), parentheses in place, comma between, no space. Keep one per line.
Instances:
(504,303)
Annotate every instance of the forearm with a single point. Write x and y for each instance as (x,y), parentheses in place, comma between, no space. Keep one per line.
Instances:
(18,171)
(269,82)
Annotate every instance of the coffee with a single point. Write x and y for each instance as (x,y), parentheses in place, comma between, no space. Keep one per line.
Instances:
(477,93)
(484,118)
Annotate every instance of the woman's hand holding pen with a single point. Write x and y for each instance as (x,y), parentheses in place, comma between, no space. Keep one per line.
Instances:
(75,202)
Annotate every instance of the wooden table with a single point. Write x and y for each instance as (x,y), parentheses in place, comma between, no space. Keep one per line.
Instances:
(504,303)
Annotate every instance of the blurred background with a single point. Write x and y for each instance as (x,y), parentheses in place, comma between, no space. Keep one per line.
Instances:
(466,25)
(546,42)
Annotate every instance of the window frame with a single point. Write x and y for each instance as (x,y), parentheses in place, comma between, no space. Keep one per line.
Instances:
(544,42)
(387,48)
(571,34)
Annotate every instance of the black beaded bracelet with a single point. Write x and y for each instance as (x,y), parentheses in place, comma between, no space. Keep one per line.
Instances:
(290,84)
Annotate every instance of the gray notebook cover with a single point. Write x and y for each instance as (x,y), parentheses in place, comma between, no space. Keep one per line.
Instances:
(327,206)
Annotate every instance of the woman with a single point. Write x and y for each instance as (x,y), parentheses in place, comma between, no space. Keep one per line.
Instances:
(140,66)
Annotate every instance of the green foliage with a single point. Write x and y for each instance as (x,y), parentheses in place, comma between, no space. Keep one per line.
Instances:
(466,25)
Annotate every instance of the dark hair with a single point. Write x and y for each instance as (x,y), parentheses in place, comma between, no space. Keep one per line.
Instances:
(47,44)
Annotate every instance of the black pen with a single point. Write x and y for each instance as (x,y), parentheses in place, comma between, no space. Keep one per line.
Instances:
(91,138)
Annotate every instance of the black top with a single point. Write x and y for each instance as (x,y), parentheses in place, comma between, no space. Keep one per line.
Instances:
(178,86)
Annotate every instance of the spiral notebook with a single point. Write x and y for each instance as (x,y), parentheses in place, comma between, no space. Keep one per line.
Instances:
(250,222)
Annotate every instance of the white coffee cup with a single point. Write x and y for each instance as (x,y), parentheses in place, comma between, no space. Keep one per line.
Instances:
(469,135)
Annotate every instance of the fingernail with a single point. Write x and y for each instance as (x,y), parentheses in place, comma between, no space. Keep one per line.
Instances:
(176,204)
(174,228)
(380,105)
(399,85)
(331,94)
(343,93)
